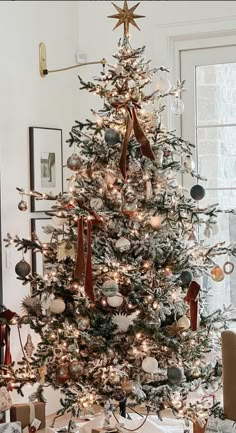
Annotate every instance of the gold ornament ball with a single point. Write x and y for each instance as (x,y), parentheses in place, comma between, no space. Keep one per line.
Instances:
(184,323)
(62,374)
(217,274)
(157,222)
(57,306)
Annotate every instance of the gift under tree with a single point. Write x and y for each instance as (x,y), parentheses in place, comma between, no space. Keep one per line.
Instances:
(119,308)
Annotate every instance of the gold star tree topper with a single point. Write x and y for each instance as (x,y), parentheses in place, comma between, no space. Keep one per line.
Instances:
(126,16)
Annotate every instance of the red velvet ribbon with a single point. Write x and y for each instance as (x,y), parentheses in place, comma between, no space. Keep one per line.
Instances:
(7,315)
(192,298)
(132,123)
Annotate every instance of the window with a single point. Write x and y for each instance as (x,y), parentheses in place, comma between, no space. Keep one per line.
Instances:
(209,121)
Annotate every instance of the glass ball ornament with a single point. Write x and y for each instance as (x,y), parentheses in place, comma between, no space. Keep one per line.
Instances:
(112,136)
(177,106)
(115,301)
(217,274)
(22,268)
(110,288)
(75,369)
(156,221)
(197,192)
(57,306)
(74,162)
(186,277)
(130,209)
(163,85)
(175,375)
(122,244)
(22,206)
(184,323)
(149,365)
(62,374)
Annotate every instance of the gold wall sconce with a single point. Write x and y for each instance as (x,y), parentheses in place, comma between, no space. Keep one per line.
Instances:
(43,63)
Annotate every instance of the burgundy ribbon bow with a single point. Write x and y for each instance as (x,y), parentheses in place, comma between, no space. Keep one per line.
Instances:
(81,267)
(132,123)
(7,315)
(192,299)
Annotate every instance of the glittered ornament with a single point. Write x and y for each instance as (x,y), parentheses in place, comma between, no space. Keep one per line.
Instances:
(217,274)
(184,323)
(130,209)
(149,365)
(110,288)
(75,369)
(83,322)
(62,374)
(74,162)
(112,136)
(58,221)
(156,221)
(22,268)
(186,277)
(96,203)
(175,375)
(22,205)
(29,347)
(115,301)
(122,244)
(57,306)
(197,192)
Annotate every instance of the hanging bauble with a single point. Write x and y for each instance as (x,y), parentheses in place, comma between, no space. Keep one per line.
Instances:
(130,209)
(110,288)
(22,268)
(75,369)
(186,277)
(110,177)
(73,287)
(58,221)
(150,364)
(112,136)
(156,221)
(57,306)
(197,192)
(115,301)
(22,205)
(29,347)
(177,106)
(189,163)
(74,162)
(62,373)
(215,229)
(207,232)
(217,274)
(96,203)
(163,85)
(83,322)
(175,375)
(184,323)
(122,244)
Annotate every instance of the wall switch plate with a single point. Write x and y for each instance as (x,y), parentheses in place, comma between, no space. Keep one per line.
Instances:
(81,57)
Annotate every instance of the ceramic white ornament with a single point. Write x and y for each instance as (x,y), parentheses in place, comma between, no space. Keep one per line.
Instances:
(122,244)
(57,306)
(184,322)
(115,301)
(149,364)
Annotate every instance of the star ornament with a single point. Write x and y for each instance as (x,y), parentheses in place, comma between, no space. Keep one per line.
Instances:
(126,16)
(174,330)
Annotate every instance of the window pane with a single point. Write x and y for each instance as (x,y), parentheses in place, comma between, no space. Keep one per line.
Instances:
(216,94)
(216,148)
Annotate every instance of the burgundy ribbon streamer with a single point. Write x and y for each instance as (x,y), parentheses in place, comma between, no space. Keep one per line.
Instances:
(5,335)
(192,298)
(80,262)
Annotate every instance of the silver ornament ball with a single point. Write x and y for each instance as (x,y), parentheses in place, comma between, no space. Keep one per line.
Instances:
(74,162)
(110,288)
(112,136)
(22,205)
(175,375)
(22,268)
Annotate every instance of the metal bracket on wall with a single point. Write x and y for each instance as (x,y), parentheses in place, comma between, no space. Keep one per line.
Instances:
(43,62)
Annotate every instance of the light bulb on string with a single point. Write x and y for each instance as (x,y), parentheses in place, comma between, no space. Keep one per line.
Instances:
(177,106)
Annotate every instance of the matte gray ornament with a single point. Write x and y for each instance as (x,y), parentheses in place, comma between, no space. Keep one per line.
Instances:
(175,375)
(110,288)
(112,136)
(22,205)
(186,277)
(74,162)
(22,268)
(197,192)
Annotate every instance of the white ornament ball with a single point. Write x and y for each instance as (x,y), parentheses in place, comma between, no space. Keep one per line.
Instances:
(122,244)
(57,221)
(150,364)
(110,288)
(163,85)
(115,301)
(96,203)
(184,322)
(57,306)
(156,221)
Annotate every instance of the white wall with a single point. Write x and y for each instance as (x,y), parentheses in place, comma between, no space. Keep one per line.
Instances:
(29,100)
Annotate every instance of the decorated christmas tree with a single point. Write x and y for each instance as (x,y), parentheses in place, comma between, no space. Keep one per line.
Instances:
(120,309)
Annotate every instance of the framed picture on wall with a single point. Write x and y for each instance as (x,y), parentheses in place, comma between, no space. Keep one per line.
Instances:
(39,264)
(46,171)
